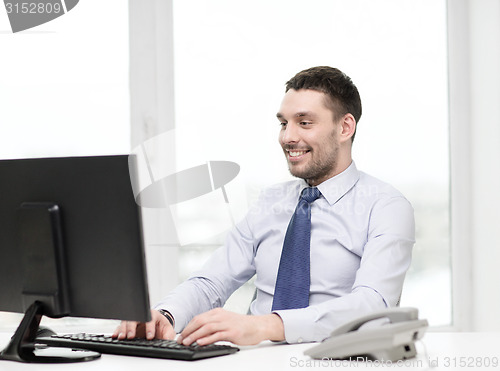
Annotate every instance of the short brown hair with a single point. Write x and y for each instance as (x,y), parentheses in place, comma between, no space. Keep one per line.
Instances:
(342,93)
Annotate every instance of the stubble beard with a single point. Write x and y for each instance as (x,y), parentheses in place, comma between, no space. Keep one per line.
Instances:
(318,168)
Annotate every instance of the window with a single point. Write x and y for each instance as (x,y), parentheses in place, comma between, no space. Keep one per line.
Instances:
(65,92)
(65,84)
(64,88)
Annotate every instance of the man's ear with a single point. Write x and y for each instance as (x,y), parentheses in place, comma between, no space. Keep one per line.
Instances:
(347,127)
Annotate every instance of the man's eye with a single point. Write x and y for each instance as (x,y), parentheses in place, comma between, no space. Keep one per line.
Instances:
(304,123)
(283,124)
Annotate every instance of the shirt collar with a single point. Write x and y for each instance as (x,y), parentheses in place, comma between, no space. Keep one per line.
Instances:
(334,188)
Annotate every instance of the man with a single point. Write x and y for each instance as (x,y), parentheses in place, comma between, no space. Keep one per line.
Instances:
(357,233)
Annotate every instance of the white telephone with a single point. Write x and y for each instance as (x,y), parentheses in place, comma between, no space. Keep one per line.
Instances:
(391,340)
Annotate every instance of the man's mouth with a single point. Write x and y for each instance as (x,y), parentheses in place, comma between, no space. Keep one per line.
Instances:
(295,154)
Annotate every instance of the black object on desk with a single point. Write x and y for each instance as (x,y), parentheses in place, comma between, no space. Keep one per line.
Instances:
(71,244)
(138,347)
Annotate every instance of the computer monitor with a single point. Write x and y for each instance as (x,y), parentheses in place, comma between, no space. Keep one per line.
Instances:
(71,243)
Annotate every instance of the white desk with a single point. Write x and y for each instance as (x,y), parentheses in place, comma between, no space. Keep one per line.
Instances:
(445,351)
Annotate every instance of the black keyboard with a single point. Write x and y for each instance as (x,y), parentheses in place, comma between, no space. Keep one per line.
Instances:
(137,347)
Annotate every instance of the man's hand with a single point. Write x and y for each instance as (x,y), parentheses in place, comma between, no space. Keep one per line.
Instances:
(219,324)
(158,328)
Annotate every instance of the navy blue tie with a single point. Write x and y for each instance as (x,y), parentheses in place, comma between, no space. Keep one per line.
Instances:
(294,279)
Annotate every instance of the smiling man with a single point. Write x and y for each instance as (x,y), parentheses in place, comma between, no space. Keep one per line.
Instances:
(316,142)
(333,244)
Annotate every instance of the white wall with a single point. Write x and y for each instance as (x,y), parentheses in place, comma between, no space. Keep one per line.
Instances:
(474,55)
(484,20)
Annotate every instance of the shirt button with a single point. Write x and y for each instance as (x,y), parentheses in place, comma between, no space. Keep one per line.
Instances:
(300,340)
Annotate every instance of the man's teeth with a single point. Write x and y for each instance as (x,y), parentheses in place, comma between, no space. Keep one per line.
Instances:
(296,153)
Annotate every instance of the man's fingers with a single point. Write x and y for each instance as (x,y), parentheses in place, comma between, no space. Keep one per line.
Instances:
(170,333)
(159,327)
(131,330)
(200,320)
(162,328)
(120,329)
(150,330)
(186,336)
(221,335)
(165,331)
(202,330)
(207,334)
(125,329)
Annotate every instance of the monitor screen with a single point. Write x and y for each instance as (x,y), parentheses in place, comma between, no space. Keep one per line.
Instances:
(71,238)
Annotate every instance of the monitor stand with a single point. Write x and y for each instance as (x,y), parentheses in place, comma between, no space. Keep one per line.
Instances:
(22,347)
(44,287)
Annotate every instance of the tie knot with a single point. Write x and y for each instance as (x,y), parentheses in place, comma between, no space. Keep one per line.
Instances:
(310,194)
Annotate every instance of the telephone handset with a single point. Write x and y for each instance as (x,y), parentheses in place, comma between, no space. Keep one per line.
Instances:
(391,340)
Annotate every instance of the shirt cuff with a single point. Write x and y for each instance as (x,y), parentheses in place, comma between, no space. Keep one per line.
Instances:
(298,327)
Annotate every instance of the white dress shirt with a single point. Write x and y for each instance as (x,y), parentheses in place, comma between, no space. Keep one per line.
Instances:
(362,234)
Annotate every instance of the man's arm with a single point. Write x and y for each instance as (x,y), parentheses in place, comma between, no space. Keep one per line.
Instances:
(226,270)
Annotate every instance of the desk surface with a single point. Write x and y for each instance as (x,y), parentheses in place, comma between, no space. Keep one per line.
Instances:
(437,351)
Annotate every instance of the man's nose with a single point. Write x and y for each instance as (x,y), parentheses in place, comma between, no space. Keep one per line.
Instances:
(290,134)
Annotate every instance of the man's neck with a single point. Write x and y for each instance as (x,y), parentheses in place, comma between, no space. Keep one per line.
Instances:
(341,166)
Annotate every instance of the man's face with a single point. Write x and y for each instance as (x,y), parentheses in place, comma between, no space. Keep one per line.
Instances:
(308,135)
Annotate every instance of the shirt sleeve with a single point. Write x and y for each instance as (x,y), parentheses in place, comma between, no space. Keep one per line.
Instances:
(379,279)
(227,269)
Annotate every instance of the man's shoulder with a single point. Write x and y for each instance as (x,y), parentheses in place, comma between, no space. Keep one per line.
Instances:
(371,186)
